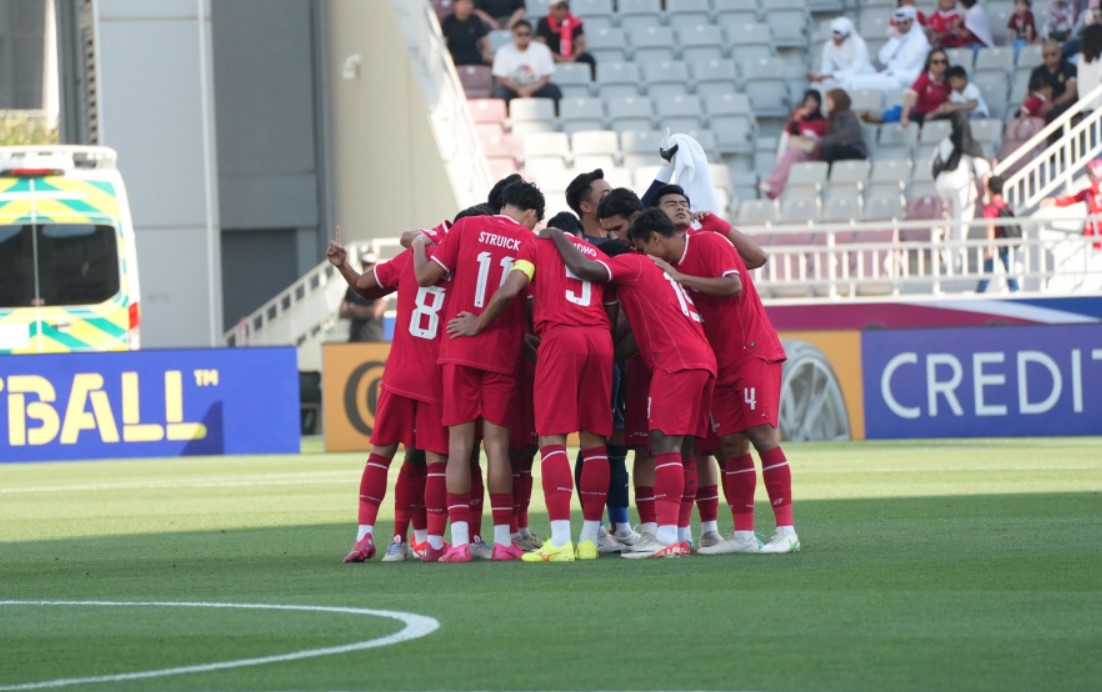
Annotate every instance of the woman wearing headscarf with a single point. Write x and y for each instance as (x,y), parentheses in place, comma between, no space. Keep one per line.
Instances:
(801,133)
(957,165)
(844,139)
(845,55)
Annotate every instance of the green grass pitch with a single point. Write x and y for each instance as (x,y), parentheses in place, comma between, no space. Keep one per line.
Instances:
(927,565)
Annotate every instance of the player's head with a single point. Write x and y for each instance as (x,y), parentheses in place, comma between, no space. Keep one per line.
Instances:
(567,222)
(673,200)
(476,210)
(524,203)
(494,198)
(653,232)
(585,192)
(616,212)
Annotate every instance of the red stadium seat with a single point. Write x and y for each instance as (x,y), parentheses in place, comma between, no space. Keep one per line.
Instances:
(477,80)
(488,110)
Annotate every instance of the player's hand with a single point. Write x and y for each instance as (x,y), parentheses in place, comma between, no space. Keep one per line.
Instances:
(336,253)
(700,216)
(464,324)
(1047,202)
(419,239)
(549,232)
(665,266)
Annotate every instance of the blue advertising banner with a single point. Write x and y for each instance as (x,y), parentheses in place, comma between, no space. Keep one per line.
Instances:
(983,382)
(71,406)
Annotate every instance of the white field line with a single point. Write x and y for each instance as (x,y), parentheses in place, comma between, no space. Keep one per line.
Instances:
(416,626)
(306,478)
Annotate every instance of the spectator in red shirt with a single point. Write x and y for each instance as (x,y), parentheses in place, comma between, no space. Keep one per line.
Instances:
(1022,28)
(564,34)
(1092,195)
(946,26)
(802,131)
(929,93)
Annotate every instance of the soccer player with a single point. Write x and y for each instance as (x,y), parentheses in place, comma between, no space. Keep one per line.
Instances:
(480,372)
(667,331)
(749,356)
(583,196)
(572,386)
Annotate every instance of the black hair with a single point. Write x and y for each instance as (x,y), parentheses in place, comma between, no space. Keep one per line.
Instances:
(524,196)
(968,3)
(620,202)
(651,221)
(669,190)
(995,184)
(613,247)
(476,210)
(579,187)
(1038,81)
(930,58)
(494,198)
(566,222)
(523,22)
(1090,42)
(957,71)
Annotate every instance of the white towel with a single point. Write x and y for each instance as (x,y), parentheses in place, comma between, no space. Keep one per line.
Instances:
(690,171)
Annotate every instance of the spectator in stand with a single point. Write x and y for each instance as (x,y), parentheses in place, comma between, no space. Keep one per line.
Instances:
(564,34)
(844,139)
(926,98)
(993,210)
(805,127)
(946,26)
(1063,17)
(465,35)
(1021,29)
(1040,94)
(977,25)
(902,56)
(365,316)
(964,95)
(920,16)
(1092,195)
(956,165)
(1061,74)
(500,14)
(1090,64)
(844,56)
(524,67)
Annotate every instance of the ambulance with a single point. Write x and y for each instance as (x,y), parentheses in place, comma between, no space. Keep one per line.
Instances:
(68,262)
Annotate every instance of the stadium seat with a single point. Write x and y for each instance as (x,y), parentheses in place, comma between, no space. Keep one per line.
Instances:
(922,208)
(574,78)
(595,143)
(526,110)
(988,132)
(796,209)
(643,176)
(683,14)
(702,42)
(581,114)
(749,34)
(787,20)
(652,43)
(522,129)
(896,142)
(873,26)
(618,79)
(960,56)
(856,171)
(841,208)
(499,145)
(640,148)
(477,81)
(679,113)
(589,10)
(810,174)
(883,205)
(893,175)
(867,101)
(502,166)
(546,145)
(488,110)
(933,131)
(606,45)
(756,212)
(718,73)
(732,121)
(630,112)
(666,78)
(999,14)
(766,88)
(996,59)
(1029,57)
(993,89)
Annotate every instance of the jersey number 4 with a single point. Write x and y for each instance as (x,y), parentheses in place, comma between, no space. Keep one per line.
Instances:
(484,261)
(688,308)
(424,323)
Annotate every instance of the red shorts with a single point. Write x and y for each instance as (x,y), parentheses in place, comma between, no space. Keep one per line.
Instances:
(753,398)
(679,401)
(574,382)
(414,423)
(470,394)
(709,445)
(635,413)
(522,431)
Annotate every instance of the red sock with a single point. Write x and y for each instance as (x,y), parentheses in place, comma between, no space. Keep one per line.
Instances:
(778,483)
(477,496)
(707,502)
(436,503)
(501,507)
(373,488)
(522,491)
(669,482)
(644,503)
(740,479)
(688,492)
(403,501)
(558,482)
(417,497)
(596,476)
(459,507)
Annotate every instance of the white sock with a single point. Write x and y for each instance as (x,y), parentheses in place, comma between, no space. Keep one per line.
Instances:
(420,535)
(666,535)
(501,534)
(460,533)
(649,527)
(787,530)
(621,530)
(560,532)
(706,526)
(590,531)
(744,536)
(684,534)
(364,530)
(437,542)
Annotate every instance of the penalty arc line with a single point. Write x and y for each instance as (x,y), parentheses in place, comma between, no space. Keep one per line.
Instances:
(416,626)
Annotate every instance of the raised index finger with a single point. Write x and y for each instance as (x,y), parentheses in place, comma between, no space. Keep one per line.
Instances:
(338,234)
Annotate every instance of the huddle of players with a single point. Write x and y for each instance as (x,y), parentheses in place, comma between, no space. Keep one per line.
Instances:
(703,378)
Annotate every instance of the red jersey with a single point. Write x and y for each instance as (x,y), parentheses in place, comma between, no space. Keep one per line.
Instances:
(1023,24)
(1093,197)
(560,298)
(417,330)
(663,317)
(736,326)
(944,24)
(930,94)
(479,252)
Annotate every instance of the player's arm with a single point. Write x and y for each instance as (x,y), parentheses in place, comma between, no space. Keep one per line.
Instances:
(726,285)
(469,324)
(582,267)
(407,238)
(428,273)
(625,348)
